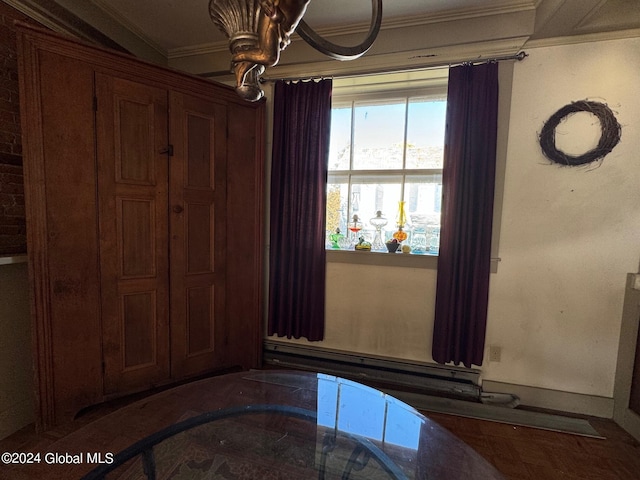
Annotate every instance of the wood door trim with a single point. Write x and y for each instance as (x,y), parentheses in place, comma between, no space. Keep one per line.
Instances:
(63,254)
(245,234)
(36,221)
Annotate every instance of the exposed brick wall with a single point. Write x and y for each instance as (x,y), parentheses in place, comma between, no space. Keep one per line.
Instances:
(13,232)
(12,210)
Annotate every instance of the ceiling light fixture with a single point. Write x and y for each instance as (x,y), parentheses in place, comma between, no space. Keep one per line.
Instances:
(258,30)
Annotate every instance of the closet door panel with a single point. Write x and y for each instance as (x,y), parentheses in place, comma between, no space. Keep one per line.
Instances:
(198,235)
(200,313)
(138,314)
(200,225)
(132,139)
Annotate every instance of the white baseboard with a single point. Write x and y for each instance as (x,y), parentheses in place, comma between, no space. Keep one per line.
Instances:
(299,355)
(554,399)
(373,368)
(628,420)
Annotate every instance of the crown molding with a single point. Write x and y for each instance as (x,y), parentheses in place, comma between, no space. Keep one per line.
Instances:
(42,17)
(195,50)
(585,38)
(462,14)
(397,23)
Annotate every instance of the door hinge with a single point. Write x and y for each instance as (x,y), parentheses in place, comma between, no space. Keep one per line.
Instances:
(168,150)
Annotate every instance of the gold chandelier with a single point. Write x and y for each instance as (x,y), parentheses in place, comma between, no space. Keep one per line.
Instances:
(258,31)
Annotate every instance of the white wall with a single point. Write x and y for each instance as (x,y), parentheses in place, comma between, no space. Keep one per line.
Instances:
(568,237)
(377,310)
(569,234)
(16,373)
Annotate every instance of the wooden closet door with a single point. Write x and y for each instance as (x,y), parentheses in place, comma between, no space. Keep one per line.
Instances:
(198,234)
(132,131)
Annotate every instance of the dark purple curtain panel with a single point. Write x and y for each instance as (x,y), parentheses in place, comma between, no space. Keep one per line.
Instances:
(468,181)
(302,119)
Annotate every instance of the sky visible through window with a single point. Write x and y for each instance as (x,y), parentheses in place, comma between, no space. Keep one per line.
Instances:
(380,129)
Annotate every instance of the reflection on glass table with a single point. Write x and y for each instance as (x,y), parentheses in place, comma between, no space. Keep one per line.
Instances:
(338,454)
(283,425)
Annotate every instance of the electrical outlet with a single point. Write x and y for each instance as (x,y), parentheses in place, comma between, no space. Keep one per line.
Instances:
(495,352)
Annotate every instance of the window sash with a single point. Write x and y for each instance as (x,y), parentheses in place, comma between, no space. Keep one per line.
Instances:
(347,183)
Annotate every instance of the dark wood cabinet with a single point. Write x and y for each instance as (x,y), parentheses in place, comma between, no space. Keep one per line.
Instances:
(144,223)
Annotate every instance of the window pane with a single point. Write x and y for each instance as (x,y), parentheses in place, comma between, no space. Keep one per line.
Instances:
(370,195)
(425,133)
(337,211)
(423,195)
(378,136)
(340,142)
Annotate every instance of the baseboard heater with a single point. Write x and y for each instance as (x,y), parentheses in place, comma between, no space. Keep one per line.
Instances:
(426,378)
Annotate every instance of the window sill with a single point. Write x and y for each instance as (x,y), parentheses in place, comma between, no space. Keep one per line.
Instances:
(391,259)
(383,259)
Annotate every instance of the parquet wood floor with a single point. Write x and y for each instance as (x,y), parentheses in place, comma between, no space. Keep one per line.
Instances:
(522,453)
(519,453)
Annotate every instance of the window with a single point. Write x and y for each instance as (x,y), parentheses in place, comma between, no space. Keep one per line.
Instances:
(386,147)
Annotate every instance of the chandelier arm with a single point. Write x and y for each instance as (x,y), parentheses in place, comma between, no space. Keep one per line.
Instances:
(340,52)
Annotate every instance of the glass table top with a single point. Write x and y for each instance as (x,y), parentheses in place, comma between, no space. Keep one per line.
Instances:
(275,425)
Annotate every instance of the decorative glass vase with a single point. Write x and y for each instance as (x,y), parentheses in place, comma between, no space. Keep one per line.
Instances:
(419,242)
(336,239)
(434,242)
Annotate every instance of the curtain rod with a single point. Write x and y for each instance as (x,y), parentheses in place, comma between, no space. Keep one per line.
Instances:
(518,56)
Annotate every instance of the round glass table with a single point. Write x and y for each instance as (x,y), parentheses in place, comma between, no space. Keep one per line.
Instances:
(271,425)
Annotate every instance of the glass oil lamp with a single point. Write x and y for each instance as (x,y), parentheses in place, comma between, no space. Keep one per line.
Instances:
(400,235)
(378,222)
(354,227)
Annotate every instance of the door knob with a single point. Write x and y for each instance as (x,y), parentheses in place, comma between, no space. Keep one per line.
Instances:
(177,209)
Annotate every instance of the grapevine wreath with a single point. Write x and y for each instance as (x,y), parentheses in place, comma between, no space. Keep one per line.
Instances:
(609,137)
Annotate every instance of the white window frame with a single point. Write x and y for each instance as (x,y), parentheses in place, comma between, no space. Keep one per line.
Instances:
(431,86)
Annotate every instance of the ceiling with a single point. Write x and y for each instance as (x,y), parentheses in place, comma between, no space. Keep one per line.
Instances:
(162,30)
(181,23)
